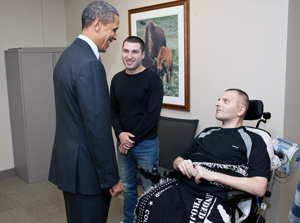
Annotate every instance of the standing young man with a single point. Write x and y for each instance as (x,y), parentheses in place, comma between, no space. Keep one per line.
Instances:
(136,98)
(83,163)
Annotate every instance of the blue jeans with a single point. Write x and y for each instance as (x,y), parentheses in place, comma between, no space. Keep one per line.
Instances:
(144,154)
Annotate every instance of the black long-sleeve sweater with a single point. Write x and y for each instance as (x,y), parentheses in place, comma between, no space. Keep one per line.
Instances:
(136,102)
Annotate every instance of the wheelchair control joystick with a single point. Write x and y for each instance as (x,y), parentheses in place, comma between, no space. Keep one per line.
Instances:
(155,170)
(154,176)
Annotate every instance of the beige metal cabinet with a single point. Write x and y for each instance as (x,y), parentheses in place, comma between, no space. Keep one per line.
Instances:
(32,108)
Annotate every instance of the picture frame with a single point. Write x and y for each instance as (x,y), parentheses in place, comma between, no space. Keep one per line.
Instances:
(165,31)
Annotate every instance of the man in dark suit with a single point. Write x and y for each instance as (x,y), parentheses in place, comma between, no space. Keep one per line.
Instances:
(83,163)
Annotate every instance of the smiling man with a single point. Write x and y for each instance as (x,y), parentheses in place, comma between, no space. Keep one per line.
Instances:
(83,163)
(136,98)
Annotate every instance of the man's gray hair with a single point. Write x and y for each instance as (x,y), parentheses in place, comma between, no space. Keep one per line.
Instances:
(98,9)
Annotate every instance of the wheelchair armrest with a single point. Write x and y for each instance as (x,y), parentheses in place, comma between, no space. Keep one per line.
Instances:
(172,173)
(236,195)
(154,176)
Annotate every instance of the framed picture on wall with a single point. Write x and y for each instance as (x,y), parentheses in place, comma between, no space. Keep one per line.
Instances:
(165,31)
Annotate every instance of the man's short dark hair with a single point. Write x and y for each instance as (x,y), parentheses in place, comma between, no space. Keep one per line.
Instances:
(243,96)
(98,9)
(135,39)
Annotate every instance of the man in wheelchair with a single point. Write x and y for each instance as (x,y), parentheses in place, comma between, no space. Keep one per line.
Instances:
(219,160)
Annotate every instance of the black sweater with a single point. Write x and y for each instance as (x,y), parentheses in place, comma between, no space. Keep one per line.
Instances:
(136,104)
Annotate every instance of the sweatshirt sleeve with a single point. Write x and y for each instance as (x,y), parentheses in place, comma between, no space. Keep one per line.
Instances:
(115,118)
(152,115)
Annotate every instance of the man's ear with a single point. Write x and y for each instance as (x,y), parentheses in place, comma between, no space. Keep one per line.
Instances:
(242,110)
(97,24)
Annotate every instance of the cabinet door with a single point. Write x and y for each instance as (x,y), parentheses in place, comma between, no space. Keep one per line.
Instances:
(39,108)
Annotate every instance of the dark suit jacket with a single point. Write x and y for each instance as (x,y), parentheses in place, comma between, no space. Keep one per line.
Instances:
(83,157)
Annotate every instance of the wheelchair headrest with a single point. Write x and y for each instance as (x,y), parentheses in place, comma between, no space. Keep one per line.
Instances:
(255,110)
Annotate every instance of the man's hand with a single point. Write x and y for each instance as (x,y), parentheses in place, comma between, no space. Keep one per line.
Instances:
(184,166)
(123,149)
(126,141)
(116,190)
(201,172)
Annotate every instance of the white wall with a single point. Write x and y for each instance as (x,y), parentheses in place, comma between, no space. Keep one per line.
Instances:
(26,23)
(292,104)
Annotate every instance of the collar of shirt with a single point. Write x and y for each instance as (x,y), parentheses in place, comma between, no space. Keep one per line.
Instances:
(91,43)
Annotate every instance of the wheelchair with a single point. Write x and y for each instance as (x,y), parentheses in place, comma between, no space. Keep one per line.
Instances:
(255,112)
